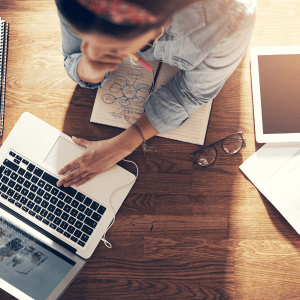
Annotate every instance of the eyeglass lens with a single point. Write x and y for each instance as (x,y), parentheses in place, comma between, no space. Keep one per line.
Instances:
(230,145)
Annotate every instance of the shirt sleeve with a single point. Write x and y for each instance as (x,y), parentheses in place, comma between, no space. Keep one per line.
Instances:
(71,52)
(170,106)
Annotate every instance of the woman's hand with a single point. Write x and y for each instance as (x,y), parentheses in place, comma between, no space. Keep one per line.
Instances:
(102,155)
(98,157)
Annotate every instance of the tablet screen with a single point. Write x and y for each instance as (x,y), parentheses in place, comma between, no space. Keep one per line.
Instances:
(279,77)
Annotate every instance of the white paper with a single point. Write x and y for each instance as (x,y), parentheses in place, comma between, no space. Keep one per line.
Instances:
(275,170)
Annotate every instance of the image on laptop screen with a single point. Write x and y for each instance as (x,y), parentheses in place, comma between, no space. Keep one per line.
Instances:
(28,264)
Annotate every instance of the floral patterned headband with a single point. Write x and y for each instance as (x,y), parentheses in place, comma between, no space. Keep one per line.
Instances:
(119,11)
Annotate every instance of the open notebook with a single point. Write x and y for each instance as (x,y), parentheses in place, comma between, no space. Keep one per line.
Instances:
(121,101)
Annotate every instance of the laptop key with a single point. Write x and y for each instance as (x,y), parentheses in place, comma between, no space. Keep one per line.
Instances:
(28,175)
(96,217)
(74,239)
(18,157)
(40,192)
(10,192)
(37,199)
(52,226)
(12,153)
(38,172)
(25,162)
(18,187)
(37,208)
(54,191)
(57,221)
(68,199)
(90,222)
(81,207)
(10,165)
(67,208)
(30,204)
(80,243)
(78,224)
(32,213)
(94,205)
(64,216)
(71,229)
(60,204)
(87,230)
(87,201)
(80,197)
(27,184)
(84,237)
(66,234)
(11,200)
(46,221)
(25,208)
(24,192)
(14,176)
(64,225)
(7,172)
(61,195)
(74,212)
(20,180)
(4,196)
(44,204)
(50,217)
(71,220)
(77,233)
(23,200)
(4,188)
(31,195)
(58,212)
(39,217)
(5,179)
(53,200)
(74,203)
(88,212)
(51,207)
(33,188)
(34,179)
(47,196)
(43,213)
(59,230)
(21,171)
(31,167)
(17,196)
(18,204)
(41,183)
(48,187)
(11,183)
(81,217)
(16,161)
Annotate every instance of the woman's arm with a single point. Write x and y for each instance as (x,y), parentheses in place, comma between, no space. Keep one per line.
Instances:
(102,155)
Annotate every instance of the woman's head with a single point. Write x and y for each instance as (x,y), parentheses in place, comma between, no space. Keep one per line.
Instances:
(107,16)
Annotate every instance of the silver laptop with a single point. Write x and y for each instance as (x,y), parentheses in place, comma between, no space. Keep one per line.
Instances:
(46,232)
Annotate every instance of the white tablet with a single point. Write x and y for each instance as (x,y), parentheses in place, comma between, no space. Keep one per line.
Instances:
(275,73)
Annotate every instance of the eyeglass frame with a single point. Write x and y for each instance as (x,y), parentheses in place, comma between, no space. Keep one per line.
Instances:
(217,143)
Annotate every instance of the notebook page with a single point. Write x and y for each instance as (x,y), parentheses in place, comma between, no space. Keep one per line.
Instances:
(194,130)
(121,101)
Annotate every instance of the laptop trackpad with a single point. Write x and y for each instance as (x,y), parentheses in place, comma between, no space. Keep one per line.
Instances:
(62,153)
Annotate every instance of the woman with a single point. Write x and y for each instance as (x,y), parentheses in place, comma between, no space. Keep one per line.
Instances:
(206,39)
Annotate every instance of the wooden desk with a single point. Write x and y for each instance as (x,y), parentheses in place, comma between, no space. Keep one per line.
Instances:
(183,232)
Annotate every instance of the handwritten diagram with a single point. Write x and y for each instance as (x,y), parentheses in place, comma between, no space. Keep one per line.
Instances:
(129,93)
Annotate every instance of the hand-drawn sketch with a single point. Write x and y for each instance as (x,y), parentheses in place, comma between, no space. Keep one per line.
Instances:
(130,94)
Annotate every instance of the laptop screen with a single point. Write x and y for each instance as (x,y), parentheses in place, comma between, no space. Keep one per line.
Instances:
(28,264)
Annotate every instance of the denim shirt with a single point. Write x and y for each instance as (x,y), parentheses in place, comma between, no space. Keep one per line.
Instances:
(206,40)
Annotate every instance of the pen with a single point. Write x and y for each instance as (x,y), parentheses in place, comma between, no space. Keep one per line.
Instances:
(141,62)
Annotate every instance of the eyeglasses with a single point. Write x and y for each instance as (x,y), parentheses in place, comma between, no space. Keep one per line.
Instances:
(206,156)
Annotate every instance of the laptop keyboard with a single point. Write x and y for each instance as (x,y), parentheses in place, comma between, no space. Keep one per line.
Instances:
(34,191)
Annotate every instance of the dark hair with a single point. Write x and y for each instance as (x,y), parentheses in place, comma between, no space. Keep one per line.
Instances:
(85,21)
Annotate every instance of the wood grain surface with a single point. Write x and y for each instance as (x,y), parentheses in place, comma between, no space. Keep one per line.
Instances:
(183,232)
